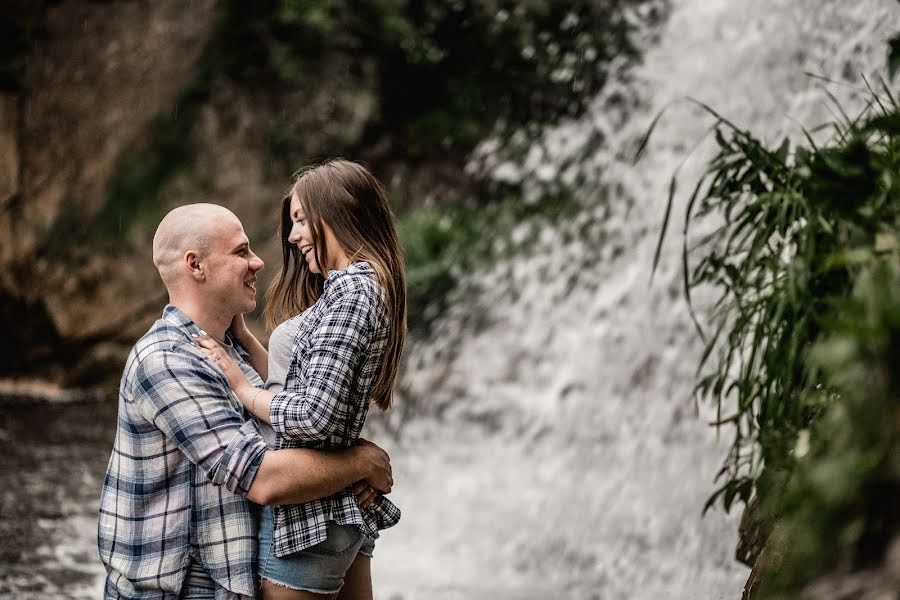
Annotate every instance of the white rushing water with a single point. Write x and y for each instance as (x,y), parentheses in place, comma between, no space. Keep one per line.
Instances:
(568,461)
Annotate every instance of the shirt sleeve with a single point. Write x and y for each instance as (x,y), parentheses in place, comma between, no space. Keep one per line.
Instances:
(190,404)
(336,348)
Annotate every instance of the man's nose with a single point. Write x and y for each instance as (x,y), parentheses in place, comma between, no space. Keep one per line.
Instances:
(256,263)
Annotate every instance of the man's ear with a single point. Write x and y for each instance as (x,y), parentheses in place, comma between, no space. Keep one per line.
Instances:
(194,265)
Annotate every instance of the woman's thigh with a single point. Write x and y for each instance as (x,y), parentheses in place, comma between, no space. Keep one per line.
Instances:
(319,570)
(358,580)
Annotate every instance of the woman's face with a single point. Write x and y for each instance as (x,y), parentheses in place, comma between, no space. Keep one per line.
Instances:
(302,237)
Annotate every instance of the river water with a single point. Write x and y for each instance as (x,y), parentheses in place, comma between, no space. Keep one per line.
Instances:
(554,451)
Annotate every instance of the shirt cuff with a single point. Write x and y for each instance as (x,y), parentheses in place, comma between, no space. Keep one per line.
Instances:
(277,412)
(242,459)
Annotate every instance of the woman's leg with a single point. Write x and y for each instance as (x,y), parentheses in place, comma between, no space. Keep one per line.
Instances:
(358,580)
(273,591)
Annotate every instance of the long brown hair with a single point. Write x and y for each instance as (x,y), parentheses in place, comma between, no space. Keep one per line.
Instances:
(353,203)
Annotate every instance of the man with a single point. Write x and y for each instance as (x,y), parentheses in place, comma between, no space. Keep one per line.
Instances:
(175,520)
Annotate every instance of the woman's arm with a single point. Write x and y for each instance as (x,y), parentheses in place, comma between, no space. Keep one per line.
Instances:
(259,356)
(256,400)
(315,403)
(336,350)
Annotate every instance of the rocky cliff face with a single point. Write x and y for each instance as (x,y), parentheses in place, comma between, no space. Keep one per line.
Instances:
(113,112)
(86,88)
(90,78)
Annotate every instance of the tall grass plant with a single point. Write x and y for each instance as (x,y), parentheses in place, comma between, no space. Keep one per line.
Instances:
(799,227)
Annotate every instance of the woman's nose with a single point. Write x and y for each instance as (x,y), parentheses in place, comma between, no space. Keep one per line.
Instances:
(294,235)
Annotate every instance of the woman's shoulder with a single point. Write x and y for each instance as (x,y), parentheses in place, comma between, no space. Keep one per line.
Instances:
(357,281)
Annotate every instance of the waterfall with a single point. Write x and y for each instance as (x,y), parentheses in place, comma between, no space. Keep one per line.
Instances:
(560,454)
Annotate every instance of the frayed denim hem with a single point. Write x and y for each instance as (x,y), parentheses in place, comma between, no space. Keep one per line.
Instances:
(302,589)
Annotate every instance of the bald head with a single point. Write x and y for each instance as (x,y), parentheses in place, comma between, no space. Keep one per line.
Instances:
(186,228)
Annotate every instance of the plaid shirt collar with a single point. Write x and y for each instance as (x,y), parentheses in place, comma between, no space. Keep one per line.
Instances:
(360,266)
(175,316)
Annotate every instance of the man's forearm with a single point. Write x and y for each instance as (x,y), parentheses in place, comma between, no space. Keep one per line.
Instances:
(296,475)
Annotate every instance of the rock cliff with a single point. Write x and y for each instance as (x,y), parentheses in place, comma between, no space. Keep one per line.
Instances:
(85,84)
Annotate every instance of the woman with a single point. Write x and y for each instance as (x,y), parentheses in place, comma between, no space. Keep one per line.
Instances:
(343,283)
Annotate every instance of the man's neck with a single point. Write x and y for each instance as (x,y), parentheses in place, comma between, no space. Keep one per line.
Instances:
(213,324)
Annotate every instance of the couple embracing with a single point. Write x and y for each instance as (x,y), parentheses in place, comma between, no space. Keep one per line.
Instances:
(238,471)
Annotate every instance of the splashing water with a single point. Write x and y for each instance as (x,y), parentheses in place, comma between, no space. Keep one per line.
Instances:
(566,458)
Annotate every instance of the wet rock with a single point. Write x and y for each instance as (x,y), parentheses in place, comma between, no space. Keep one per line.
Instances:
(91,98)
(10,160)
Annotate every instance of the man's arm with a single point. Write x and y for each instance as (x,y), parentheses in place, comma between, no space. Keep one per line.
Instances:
(188,402)
(296,475)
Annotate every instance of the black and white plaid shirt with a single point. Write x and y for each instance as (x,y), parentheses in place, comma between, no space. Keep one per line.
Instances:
(183,459)
(336,356)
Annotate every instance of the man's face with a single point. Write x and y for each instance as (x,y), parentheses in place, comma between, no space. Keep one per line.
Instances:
(231,267)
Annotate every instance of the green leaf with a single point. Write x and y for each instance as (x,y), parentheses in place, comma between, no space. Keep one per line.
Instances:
(894,55)
(889,124)
(642,144)
(673,184)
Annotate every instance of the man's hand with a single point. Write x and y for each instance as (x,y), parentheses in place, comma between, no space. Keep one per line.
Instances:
(376,465)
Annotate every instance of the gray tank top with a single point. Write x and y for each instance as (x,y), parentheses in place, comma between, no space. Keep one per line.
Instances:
(281,342)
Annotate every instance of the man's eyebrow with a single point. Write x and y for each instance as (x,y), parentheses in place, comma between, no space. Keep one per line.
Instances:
(241,246)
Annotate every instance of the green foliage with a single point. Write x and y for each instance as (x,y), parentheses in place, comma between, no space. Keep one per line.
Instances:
(796,227)
(894,56)
(447,72)
(802,359)
(443,245)
(840,507)
(473,68)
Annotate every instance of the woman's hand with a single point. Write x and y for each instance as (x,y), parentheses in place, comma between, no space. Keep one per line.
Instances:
(364,493)
(214,351)
(238,328)
(259,358)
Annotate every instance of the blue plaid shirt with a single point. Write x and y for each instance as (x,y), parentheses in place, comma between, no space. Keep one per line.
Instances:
(183,460)
(336,356)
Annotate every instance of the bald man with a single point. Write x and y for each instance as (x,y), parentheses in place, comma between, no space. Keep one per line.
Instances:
(176,518)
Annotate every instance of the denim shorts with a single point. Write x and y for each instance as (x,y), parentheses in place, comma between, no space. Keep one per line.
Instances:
(320,568)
